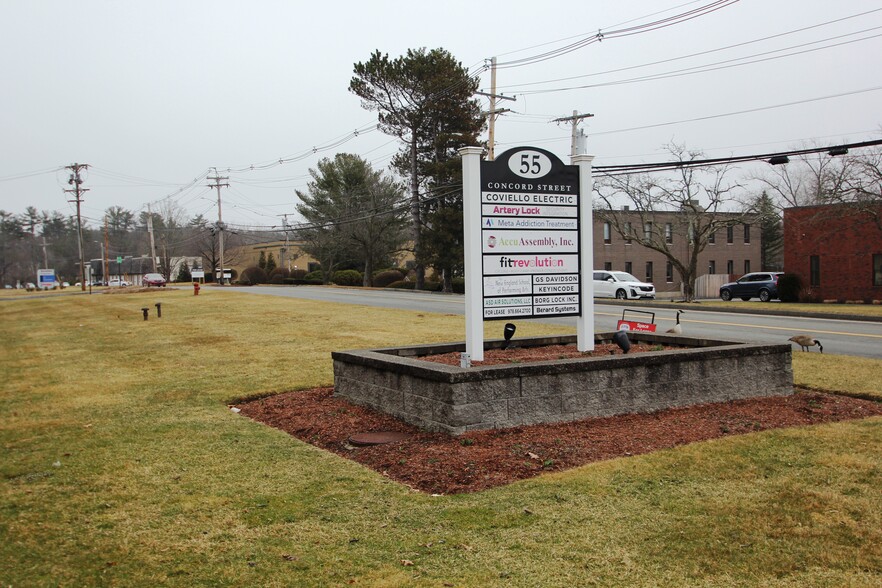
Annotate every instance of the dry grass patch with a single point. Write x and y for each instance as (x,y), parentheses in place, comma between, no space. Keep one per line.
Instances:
(122,465)
(856,376)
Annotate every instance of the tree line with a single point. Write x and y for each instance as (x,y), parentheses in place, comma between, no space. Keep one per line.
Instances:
(49,239)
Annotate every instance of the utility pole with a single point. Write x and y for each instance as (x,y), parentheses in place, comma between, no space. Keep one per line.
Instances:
(287,260)
(105,251)
(491,134)
(45,256)
(220,221)
(152,241)
(575,135)
(78,191)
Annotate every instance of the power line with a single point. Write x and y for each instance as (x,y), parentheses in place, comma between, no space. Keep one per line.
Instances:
(709,51)
(749,110)
(669,165)
(711,66)
(616,33)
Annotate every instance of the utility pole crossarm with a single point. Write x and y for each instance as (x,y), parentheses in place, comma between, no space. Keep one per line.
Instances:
(497,96)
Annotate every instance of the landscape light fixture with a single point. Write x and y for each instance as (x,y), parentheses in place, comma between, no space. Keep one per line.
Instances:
(837,151)
(508,333)
(779,159)
(621,339)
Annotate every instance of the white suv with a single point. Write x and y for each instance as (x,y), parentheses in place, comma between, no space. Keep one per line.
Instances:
(621,285)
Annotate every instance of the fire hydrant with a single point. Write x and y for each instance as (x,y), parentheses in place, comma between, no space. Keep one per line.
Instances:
(195,288)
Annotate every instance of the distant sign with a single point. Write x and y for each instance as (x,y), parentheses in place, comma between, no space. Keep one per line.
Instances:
(529,235)
(197,273)
(46,278)
(635,326)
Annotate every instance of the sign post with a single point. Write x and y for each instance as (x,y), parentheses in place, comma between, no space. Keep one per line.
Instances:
(585,322)
(471,212)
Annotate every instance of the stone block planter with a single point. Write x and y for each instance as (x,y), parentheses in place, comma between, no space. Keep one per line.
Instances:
(440,397)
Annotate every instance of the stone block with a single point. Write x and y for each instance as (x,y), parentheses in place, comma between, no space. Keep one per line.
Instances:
(454,400)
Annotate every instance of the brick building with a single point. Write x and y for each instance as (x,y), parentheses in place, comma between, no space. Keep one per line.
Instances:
(836,249)
(734,251)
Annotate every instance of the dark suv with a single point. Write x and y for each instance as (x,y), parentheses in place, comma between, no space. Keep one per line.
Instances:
(762,285)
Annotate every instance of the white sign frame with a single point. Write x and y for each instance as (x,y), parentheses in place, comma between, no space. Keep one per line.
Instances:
(473,207)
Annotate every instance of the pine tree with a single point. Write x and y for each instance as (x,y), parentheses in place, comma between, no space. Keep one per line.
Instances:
(771,233)
(425,98)
(270,264)
(261,263)
(184,274)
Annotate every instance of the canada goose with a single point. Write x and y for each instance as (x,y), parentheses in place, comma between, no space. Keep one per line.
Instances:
(678,328)
(805,342)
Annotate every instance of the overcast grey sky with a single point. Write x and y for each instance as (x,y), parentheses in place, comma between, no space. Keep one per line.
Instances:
(153,94)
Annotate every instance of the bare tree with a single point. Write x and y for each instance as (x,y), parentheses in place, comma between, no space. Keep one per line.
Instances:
(814,179)
(700,200)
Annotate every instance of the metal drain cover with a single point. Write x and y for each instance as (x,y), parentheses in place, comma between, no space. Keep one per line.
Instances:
(377,438)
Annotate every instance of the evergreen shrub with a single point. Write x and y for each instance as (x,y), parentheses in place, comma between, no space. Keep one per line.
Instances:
(252,275)
(279,275)
(382,279)
(347,278)
(789,287)
(401,284)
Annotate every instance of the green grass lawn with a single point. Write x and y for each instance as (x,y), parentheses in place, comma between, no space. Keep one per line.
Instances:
(123,465)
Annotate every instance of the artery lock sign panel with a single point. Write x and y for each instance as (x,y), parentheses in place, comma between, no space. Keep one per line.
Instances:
(529,235)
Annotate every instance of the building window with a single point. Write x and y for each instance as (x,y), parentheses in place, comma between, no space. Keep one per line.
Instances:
(877,270)
(669,272)
(628,233)
(607,233)
(647,231)
(629,267)
(607,266)
(815,270)
(746,234)
(730,267)
(746,266)
(712,237)
(730,235)
(669,233)
(649,271)
(712,267)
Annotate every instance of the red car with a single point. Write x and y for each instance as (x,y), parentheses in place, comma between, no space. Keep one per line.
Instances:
(153,280)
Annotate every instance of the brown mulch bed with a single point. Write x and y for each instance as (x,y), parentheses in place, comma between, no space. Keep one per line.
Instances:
(544,353)
(442,464)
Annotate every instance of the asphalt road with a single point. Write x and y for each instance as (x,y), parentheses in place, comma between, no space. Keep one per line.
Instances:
(838,336)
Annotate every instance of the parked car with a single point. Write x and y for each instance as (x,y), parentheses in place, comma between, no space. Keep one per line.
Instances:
(118,282)
(762,285)
(621,285)
(153,280)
